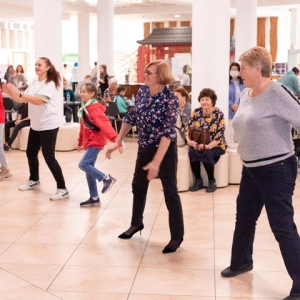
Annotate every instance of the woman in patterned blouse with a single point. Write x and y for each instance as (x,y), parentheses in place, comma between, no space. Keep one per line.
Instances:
(154,114)
(208,117)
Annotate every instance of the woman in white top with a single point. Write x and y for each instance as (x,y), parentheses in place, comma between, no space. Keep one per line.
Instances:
(43,97)
(185,80)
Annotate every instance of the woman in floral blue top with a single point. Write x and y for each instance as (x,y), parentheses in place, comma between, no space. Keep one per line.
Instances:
(154,114)
(208,117)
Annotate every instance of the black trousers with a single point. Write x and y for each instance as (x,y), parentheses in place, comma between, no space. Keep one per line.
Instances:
(167,175)
(8,125)
(47,140)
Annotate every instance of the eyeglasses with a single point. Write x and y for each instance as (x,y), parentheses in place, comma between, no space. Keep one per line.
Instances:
(149,72)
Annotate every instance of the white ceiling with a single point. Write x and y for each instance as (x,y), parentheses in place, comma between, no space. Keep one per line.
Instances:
(21,10)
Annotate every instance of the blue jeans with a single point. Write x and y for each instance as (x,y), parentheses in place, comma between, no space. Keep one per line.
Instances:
(272,186)
(3,163)
(87,165)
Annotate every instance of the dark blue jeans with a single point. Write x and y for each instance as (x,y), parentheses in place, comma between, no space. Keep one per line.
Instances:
(272,186)
(167,175)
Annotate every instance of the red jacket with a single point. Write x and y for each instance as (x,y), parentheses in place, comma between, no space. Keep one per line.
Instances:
(91,138)
(2,110)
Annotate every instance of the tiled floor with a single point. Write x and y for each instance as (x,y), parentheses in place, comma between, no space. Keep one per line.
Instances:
(57,250)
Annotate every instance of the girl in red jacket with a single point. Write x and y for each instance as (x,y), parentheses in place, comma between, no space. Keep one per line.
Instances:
(95,129)
(4,170)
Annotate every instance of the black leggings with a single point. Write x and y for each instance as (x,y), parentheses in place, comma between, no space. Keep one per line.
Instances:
(47,140)
(209,168)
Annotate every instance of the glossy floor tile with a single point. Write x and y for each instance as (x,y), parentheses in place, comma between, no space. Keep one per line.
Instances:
(59,250)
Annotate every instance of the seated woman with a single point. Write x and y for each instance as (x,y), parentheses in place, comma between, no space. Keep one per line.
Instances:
(121,101)
(207,117)
(22,121)
(111,91)
(68,97)
(184,113)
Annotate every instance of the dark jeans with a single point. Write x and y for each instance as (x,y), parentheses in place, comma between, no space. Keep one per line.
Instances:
(9,125)
(167,175)
(272,186)
(47,140)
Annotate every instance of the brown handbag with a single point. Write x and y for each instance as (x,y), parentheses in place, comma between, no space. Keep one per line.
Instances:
(199,136)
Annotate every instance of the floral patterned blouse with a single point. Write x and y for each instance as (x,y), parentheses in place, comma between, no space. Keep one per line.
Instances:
(214,122)
(155,116)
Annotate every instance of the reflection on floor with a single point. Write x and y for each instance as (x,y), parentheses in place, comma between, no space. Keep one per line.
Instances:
(57,250)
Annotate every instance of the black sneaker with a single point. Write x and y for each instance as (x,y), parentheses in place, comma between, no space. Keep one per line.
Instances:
(107,184)
(91,202)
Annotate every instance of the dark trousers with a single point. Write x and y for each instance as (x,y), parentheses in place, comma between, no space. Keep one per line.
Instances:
(8,125)
(167,175)
(47,140)
(272,186)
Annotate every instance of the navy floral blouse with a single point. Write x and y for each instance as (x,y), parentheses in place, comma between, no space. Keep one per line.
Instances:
(155,116)
(213,122)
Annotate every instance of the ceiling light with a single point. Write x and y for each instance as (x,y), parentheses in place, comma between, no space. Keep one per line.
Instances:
(176,16)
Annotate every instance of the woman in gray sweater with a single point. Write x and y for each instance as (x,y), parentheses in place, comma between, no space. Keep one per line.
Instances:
(263,126)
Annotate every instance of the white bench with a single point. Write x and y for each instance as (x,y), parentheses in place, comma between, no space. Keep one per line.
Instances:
(185,178)
(235,165)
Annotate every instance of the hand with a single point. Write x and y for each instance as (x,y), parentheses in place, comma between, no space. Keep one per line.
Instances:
(234,107)
(201,147)
(193,144)
(8,88)
(111,148)
(152,169)
(17,122)
(79,148)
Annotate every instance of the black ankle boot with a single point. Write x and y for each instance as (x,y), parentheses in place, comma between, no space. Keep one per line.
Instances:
(198,185)
(211,186)
(172,246)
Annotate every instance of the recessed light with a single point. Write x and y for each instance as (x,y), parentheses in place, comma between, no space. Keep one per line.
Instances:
(177,16)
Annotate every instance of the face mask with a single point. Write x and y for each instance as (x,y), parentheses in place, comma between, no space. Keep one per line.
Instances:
(65,87)
(234,73)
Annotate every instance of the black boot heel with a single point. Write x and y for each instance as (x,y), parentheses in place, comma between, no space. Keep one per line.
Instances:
(172,246)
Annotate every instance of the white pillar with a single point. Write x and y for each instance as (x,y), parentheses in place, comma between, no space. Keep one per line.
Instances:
(47,37)
(245,26)
(211,50)
(105,18)
(83,45)
(295,28)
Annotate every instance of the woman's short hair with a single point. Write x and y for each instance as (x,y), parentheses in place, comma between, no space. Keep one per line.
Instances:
(208,93)
(295,70)
(112,80)
(258,56)
(184,93)
(120,89)
(164,71)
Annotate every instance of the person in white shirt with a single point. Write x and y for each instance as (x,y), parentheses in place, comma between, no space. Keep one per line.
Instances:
(42,97)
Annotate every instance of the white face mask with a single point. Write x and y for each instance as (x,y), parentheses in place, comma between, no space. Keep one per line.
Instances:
(234,73)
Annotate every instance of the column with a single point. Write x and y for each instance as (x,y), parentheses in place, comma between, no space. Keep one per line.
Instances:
(47,37)
(245,26)
(295,28)
(105,16)
(83,45)
(211,50)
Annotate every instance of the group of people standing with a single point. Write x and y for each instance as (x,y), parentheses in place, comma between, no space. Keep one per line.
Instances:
(263,110)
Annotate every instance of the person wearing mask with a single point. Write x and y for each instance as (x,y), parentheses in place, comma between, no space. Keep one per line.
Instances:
(235,87)
(263,124)
(291,81)
(42,97)
(154,114)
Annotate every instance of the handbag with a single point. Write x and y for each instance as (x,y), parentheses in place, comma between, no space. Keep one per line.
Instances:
(199,136)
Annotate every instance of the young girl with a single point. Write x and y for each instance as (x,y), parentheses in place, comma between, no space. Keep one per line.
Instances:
(103,79)
(95,129)
(4,170)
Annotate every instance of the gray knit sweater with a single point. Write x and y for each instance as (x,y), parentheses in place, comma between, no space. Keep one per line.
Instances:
(263,125)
